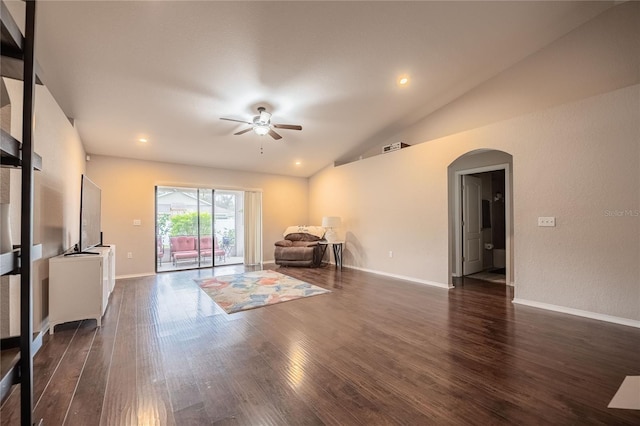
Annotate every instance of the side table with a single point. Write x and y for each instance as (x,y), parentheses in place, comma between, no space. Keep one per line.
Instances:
(337,250)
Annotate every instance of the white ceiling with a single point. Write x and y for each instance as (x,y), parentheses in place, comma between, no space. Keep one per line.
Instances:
(169,70)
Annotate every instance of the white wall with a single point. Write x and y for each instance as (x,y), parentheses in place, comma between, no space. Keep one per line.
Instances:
(575,162)
(128,192)
(56,191)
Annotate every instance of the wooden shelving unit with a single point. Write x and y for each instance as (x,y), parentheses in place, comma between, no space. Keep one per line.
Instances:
(18,61)
(12,48)
(11,152)
(11,37)
(10,262)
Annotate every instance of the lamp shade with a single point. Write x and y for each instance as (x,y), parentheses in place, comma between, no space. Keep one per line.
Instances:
(331,222)
(261,129)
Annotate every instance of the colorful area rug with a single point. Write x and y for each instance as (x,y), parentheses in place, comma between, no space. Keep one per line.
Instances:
(250,290)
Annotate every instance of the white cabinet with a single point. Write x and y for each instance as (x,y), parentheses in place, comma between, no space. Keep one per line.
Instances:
(80,285)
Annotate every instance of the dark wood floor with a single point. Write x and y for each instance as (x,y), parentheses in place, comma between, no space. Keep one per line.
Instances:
(374,351)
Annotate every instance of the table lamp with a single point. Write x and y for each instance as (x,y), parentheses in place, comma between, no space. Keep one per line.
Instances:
(330,223)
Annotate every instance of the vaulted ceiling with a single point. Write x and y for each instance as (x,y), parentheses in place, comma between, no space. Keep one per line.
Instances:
(168,71)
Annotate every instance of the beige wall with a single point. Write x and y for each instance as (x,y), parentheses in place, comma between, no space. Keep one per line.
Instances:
(128,191)
(575,162)
(568,115)
(56,192)
(578,160)
(597,57)
(394,202)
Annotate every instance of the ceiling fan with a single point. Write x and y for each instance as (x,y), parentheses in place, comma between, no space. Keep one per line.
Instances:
(262,125)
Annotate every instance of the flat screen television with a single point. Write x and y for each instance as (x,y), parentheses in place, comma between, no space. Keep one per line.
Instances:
(90,205)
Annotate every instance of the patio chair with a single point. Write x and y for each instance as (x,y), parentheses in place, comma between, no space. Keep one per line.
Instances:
(209,246)
(183,248)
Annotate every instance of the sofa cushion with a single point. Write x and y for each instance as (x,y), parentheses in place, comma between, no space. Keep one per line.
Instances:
(301,236)
(304,243)
(294,253)
(182,243)
(206,243)
(317,231)
(187,254)
(284,243)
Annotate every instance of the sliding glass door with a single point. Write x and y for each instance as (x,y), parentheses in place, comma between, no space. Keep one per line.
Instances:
(205,227)
(198,228)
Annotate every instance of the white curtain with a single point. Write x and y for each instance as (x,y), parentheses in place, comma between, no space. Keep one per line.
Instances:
(252,228)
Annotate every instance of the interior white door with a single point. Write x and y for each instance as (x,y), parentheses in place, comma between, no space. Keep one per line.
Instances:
(471,224)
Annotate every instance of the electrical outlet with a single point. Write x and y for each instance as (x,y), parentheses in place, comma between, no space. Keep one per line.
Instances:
(137,222)
(129,255)
(547,221)
(390,253)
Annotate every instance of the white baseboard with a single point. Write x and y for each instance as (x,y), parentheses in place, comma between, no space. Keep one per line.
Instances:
(146,274)
(265,262)
(578,312)
(402,277)
(44,327)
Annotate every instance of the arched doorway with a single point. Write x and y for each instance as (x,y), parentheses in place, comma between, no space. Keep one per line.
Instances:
(480,188)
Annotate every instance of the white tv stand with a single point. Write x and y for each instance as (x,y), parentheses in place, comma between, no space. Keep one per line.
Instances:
(80,285)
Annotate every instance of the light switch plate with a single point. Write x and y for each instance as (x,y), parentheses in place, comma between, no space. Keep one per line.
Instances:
(547,221)
(137,222)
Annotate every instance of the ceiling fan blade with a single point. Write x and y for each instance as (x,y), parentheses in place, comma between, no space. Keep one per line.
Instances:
(242,132)
(274,134)
(287,126)
(237,121)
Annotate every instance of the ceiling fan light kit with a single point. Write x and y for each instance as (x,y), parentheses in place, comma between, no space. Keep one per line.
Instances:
(262,125)
(261,129)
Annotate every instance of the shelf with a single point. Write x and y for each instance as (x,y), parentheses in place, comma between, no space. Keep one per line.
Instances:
(11,152)
(10,361)
(14,68)
(12,53)
(12,40)
(10,262)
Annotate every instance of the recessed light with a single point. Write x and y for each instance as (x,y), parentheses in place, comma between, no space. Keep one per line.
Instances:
(298,163)
(403,80)
(143,140)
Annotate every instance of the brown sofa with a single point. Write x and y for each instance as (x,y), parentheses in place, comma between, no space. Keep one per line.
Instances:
(298,249)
